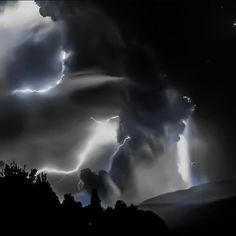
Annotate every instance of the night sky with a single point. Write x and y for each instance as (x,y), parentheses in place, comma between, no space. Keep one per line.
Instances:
(156,64)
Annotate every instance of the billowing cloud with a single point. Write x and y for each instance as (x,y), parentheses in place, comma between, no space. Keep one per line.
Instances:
(152,111)
(91,36)
(152,115)
(137,45)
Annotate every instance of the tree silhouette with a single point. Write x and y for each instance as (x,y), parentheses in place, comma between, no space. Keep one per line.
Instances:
(95,199)
(28,199)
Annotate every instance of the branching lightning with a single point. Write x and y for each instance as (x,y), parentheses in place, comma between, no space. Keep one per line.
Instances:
(103,129)
(64,56)
(121,145)
(88,148)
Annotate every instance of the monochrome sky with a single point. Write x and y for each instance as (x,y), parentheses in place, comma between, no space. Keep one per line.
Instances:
(131,59)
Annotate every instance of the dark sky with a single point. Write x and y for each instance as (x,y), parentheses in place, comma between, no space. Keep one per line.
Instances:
(141,50)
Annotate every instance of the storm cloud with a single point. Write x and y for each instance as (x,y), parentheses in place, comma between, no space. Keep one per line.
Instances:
(89,34)
(124,58)
(150,106)
(151,111)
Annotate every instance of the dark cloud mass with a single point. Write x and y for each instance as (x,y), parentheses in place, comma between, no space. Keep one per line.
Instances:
(194,43)
(149,102)
(90,35)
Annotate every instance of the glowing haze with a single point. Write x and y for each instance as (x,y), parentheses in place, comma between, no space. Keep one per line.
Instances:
(104,132)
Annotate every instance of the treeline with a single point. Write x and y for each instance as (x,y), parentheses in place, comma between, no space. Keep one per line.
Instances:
(27,201)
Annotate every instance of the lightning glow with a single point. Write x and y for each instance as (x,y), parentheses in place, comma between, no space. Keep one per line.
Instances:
(107,120)
(121,145)
(187,98)
(63,56)
(104,132)
(184,163)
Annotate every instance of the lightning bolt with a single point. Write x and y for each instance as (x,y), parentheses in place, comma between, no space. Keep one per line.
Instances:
(81,159)
(184,162)
(107,120)
(183,152)
(120,146)
(91,144)
(118,149)
(112,118)
(64,56)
